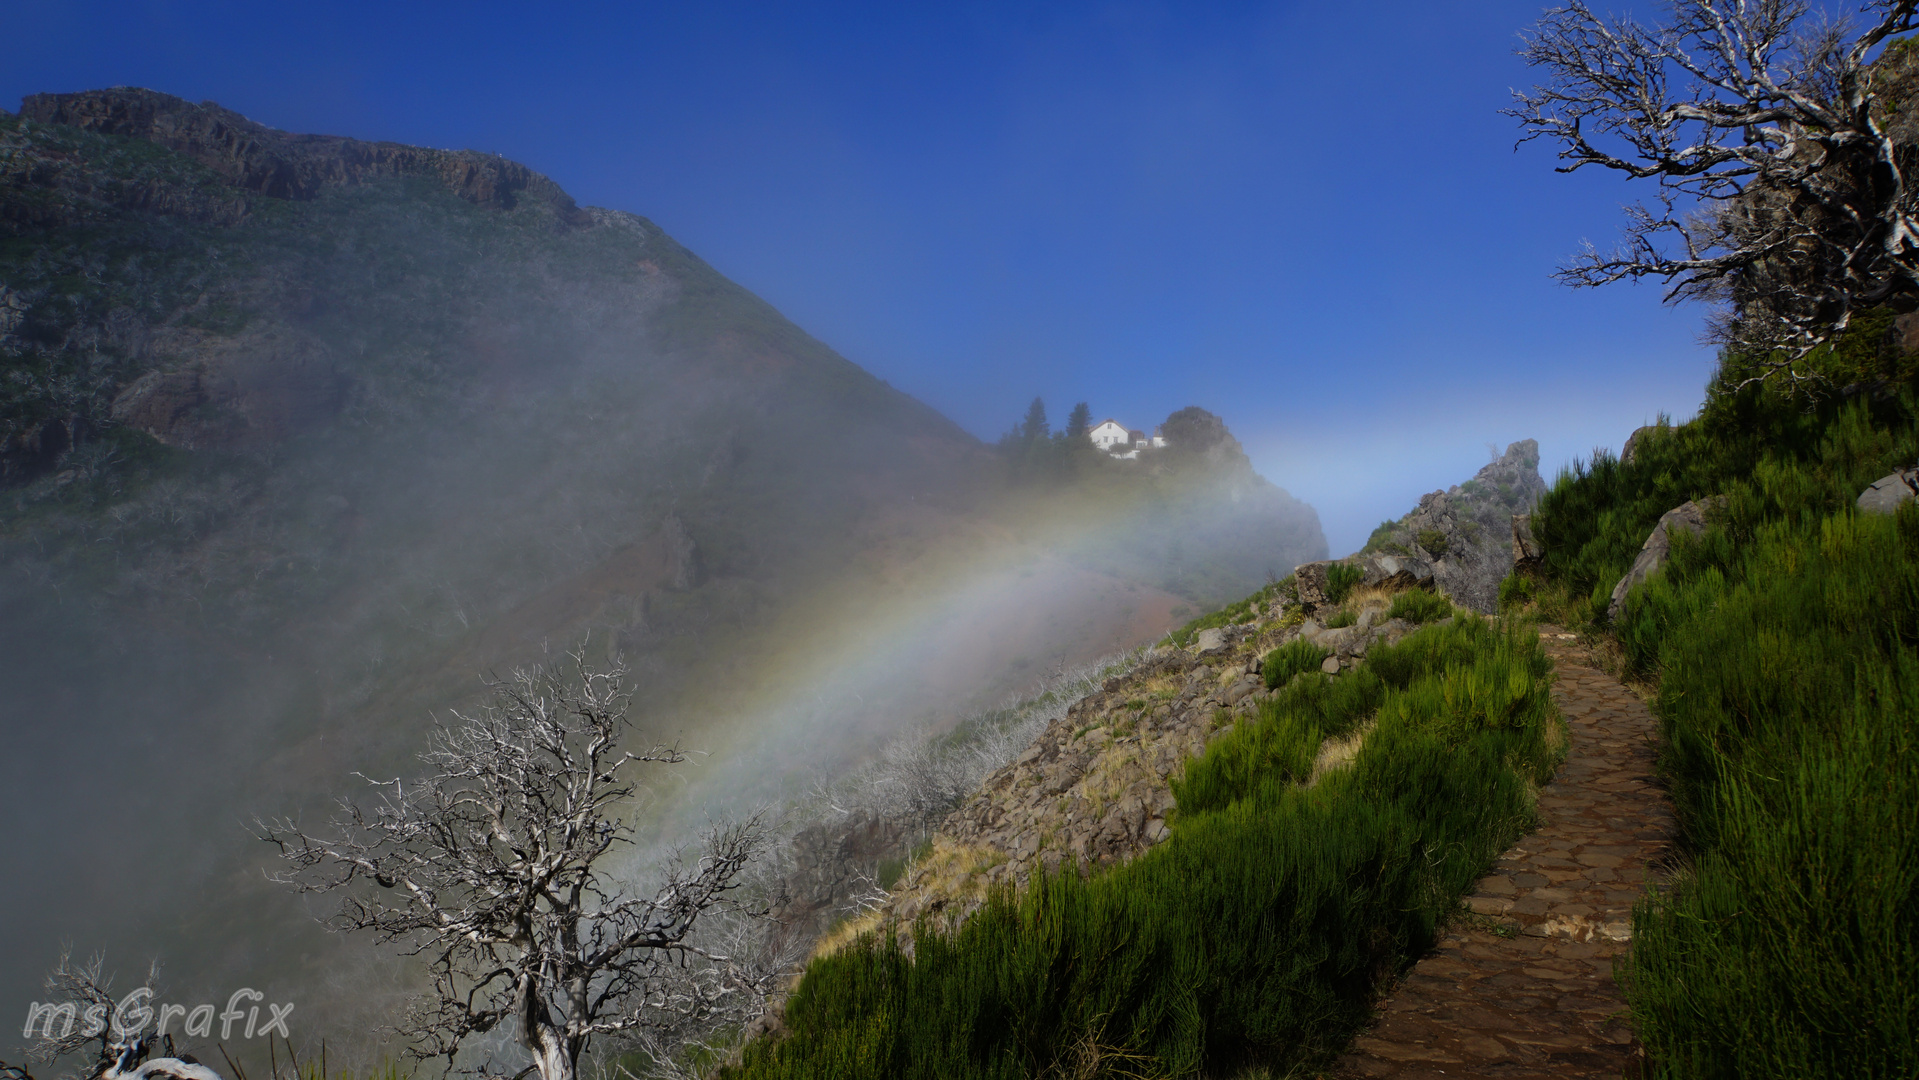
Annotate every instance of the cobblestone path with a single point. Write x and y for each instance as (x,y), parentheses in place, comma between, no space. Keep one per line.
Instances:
(1531,993)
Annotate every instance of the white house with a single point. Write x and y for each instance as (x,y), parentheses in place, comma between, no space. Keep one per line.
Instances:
(1109,434)
(1122,442)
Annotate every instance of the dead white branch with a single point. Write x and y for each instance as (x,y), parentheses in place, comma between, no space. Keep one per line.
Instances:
(492,867)
(1770,132)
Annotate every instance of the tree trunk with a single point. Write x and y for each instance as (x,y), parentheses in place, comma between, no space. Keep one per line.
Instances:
(551,1049)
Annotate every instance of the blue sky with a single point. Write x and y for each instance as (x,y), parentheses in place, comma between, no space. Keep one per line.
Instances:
(1308,218)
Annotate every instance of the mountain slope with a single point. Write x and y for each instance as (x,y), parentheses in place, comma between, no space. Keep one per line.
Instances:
(300,434)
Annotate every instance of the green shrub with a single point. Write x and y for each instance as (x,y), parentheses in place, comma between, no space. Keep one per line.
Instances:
(1793,755)
(1341,579)
(1257,933)
(1290,659)
(1342,618)
(1382,537)
(1420,606)
(1515,591)
(1433,541)
(1783,641)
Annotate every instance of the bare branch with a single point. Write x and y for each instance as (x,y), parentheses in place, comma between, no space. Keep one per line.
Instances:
(1781,192)
(491,868)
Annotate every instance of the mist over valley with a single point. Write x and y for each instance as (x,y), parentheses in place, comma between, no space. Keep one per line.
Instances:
(306,436)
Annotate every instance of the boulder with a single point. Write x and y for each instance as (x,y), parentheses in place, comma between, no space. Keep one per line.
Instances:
(1690,517)
(1210,642)
(1888,492)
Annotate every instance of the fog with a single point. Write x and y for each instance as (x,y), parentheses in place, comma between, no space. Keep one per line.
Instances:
(538,439)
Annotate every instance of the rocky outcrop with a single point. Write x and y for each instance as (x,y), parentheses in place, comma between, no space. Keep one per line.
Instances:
(1465,532)
(1888,493)
(1689,517)
(255,158)
(1376,571)
(47,181)
(35,449)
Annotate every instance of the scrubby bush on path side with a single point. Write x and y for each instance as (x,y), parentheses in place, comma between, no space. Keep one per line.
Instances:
(1258,933)
(1783,643)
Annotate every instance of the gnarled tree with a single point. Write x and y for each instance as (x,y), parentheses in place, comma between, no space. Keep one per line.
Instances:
(493,868)
(84,1012)
(1782,164)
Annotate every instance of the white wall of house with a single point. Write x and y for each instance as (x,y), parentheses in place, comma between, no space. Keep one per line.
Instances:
(1108,434)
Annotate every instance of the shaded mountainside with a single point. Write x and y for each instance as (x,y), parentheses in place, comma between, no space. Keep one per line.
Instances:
(300,433)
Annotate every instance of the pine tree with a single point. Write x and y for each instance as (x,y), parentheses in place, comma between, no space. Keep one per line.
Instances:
(1035,427)
(1079,422)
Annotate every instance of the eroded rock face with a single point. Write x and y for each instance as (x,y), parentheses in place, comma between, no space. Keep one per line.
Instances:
(278,164)
(1465,532)
(1688,517)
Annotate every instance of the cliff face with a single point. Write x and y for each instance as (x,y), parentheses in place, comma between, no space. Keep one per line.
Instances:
(257,159)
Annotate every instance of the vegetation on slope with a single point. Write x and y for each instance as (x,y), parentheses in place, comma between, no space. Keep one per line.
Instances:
(1258,934)
(1782,642)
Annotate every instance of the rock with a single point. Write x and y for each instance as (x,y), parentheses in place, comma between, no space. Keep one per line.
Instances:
(37,448)
(1389,571)
(1335,640)
(1392,630)
(258,388)
(1689,517)
(1526,550)
(1209,642)
(1905,332)
(1330,665)
(1888,492)
(1464,533)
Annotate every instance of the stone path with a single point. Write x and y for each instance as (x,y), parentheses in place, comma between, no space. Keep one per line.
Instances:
(1530,993)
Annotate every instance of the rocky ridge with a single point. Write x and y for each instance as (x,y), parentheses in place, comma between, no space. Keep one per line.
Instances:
(253,158)
(1465,532)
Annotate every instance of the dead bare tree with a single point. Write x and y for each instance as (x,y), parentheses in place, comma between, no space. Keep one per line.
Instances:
(1781,162)
(85,1013)
(493,869)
